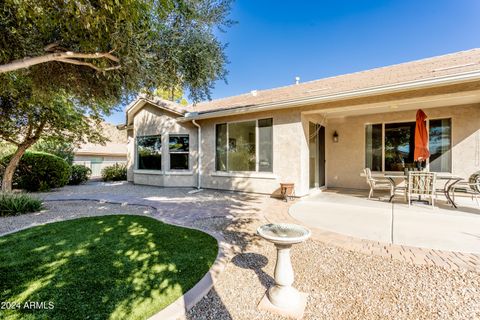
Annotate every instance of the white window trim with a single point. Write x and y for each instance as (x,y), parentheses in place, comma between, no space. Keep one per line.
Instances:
(137,160)
(427,165)
(170,170)
(257,161)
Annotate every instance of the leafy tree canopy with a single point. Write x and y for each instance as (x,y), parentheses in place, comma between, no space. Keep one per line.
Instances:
(64,64)
(109,49)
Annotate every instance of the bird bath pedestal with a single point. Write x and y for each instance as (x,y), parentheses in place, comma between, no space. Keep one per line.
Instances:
(282,298)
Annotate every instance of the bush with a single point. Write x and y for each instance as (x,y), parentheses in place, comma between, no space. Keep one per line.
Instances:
(62,149)
(116,172)
(15,204)
(39,171)
(80,174)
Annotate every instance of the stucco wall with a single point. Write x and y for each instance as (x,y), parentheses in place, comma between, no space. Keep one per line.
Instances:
(153,121)
(288,145)
(346,159)
(130,154)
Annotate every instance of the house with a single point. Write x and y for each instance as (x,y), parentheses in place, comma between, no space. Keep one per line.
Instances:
(97,156)
(315,134)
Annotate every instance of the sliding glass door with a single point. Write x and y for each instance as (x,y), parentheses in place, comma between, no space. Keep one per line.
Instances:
(316,146)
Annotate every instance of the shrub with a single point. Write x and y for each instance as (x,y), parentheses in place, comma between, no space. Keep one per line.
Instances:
(39,171)
(62,149)
(116,172)
(80,174)
(15,204)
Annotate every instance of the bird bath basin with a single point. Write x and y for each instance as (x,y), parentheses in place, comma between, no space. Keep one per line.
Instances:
(284,298)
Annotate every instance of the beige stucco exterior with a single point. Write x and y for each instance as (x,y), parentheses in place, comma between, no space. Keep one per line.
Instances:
(151,120)
(344,160)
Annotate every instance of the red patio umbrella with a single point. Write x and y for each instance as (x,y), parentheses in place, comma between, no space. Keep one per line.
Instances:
(421,152)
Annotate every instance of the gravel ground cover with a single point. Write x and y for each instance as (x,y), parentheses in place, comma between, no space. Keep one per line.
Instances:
(65,210)
(341,284)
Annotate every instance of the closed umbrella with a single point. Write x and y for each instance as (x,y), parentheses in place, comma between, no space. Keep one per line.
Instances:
(421,152)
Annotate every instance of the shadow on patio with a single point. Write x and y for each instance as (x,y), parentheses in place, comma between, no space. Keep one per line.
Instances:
(349,212)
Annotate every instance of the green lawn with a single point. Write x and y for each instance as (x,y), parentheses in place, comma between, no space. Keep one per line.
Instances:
(109,267)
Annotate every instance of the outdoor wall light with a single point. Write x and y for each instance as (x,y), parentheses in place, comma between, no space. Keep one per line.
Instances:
(335,137)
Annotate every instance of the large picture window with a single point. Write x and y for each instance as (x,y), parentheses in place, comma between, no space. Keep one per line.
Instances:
(390,146)
(178,146)
(149,152)
(244,146)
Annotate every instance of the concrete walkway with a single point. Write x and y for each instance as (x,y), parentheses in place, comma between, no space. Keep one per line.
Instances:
(351,214)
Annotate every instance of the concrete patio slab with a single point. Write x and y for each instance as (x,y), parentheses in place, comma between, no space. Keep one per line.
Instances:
(441,228)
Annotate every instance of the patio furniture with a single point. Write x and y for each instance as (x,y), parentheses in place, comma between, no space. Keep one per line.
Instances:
(421,184)
(287,190)
(395,187)
(449,187)
(472,187)
(378,184)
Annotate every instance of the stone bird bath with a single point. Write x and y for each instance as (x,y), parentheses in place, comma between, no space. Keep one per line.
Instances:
(282,298)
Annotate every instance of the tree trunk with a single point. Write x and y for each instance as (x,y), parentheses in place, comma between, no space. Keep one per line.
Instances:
(7,178)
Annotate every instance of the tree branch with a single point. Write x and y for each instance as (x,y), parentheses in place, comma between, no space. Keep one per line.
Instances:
(39,130)
(10,140)
(65,57)
(88,64)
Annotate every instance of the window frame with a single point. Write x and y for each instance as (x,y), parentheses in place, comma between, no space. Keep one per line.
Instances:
(178,152)
(137,155)
(406,121)
(257,161)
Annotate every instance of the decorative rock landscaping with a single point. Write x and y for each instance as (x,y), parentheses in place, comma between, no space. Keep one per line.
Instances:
(341,283)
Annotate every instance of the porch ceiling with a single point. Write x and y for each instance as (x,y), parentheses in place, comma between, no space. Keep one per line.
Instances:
(443,100)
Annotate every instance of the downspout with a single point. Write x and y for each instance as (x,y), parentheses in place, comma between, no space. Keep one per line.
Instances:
(199,170)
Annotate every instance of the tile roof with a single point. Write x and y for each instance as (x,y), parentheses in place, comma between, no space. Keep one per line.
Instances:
(425,69)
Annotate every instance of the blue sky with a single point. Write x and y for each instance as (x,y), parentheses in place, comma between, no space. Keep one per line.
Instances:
(274,41)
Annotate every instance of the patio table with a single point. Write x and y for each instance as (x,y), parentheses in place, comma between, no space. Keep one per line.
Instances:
(391,178)
(450,182)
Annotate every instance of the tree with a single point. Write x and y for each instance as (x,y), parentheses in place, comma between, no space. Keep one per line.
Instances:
(60,148)
(61,61)
(113,48)
(173,94)
(29,116)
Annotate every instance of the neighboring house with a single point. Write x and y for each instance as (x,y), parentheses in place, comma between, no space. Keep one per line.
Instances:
(315,134)
(96,156)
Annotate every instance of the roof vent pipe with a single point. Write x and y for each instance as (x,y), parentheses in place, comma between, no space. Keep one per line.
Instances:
(297,80)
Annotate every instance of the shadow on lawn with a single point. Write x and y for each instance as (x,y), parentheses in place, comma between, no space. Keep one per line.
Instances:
(238,228)
(103,267)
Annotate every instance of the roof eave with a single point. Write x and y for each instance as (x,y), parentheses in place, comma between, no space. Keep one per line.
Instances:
(372,91)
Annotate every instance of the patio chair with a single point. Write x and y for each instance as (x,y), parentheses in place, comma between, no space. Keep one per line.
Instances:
(421,184)
(376,184)
(472,187)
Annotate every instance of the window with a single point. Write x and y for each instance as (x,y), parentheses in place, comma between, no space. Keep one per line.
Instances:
(373,145)
(265,145)
(221,147)
(440,145)
(244,146)
(390,147)
(149,152)
(399,146)
(178,146)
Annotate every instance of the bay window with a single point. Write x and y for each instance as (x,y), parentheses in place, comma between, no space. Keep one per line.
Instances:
(390,146)
(244,146)
(149,152)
